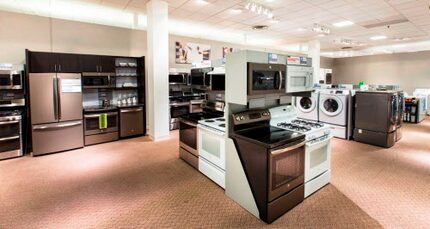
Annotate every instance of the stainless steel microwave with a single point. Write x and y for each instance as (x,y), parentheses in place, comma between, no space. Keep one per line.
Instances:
(266,78)
(10,79)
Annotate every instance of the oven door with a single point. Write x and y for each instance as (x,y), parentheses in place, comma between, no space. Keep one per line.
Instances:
(92,123)
(266,79)
(286,169)
(10,138)
(299,79)
(317,157)
(211,145)
(10,80)
(188,136)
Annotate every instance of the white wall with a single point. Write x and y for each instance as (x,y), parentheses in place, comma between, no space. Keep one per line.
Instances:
(409,70)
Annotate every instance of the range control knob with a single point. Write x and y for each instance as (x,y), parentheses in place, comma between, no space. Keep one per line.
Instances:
(242,117)
(237,118)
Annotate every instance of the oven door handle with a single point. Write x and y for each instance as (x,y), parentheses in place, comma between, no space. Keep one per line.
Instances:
(131,110)
(320,142)
(8,122)
(9,138)
(98,115)
(285,150)
(210,130)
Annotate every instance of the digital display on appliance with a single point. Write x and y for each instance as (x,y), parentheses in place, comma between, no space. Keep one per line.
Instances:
(255,116)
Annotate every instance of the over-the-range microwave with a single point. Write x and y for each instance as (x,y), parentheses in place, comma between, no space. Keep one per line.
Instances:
(266,78)
(299,74)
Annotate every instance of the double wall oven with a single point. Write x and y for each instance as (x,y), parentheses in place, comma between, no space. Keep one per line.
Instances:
(266,79)
(11,137)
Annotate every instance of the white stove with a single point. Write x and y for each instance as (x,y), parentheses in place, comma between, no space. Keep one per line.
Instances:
(211,149)
(214,123)
(318,145)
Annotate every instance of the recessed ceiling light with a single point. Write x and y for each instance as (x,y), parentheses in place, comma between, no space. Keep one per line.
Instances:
(275,20)
(202,2)
(236,11)
(343,23)
(375,38)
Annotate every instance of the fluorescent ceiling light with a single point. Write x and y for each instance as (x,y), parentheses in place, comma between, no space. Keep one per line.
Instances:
(343,24)
(202,2)
(376,38)
(236,11)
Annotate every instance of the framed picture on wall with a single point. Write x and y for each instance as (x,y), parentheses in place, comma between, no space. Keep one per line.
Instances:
(227,50)
(181,53)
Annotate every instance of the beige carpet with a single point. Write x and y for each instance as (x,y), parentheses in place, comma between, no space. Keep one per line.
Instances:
(140,184)
(391,185)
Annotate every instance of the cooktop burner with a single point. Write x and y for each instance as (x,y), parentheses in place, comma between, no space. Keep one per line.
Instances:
(209,120)
(221,119)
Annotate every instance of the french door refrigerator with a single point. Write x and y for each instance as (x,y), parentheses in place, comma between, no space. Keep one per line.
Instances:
(56,112)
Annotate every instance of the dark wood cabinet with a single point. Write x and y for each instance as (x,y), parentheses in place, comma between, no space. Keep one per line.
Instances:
(107,64)
(40,62)
(68,63)
(89,63)
(93,63)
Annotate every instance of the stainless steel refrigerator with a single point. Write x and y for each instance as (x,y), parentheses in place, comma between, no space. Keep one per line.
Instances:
(376,117)
(56,112)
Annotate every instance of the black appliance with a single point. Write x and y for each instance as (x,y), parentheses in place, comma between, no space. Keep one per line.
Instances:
(199,77)
(178,78)
(401,111)
(98,80)
(188,131)
(376,117)
(266,78)
(215,80)
(11,79)
(273,161)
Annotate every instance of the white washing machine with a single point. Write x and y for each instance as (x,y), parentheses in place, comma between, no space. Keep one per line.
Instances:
(333,110)
(307,107)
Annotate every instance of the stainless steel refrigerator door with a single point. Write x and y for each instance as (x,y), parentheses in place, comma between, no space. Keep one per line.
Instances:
(69,97)
(57,137)
(43,98)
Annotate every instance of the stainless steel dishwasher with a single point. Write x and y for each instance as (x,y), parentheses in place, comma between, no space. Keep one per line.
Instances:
(131,121)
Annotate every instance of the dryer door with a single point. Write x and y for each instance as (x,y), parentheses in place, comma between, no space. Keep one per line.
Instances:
(306,104)
(331,105)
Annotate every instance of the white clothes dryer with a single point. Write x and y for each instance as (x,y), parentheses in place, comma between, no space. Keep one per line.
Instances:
(333,110)
(307,107)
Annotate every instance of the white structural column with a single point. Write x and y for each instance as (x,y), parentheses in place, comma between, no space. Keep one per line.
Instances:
(158,69)
(314,53)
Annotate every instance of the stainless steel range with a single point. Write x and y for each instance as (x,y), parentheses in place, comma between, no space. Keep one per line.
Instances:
(11,140)
(317,148)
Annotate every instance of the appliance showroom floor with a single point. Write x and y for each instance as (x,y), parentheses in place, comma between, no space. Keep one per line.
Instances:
(137,183)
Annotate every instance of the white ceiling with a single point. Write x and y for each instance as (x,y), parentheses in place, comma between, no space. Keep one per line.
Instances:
(220,20)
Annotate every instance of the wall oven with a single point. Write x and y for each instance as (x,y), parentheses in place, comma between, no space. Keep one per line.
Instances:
(98,80)
(11,142)
(94,134)
(266,79)
(11,79)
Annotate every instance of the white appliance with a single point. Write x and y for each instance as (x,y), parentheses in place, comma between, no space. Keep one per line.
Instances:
(211,148)
(333,110)
(317,148)
(307,107)
(425,92)
(299,78)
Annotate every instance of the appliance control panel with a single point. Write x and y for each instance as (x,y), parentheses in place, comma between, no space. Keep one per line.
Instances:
(251,117)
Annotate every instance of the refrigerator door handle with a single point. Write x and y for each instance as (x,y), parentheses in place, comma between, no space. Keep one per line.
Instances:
(55,98)
(43,127)
(59,97)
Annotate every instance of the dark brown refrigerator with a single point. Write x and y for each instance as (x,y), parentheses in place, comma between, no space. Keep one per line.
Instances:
(56,112)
